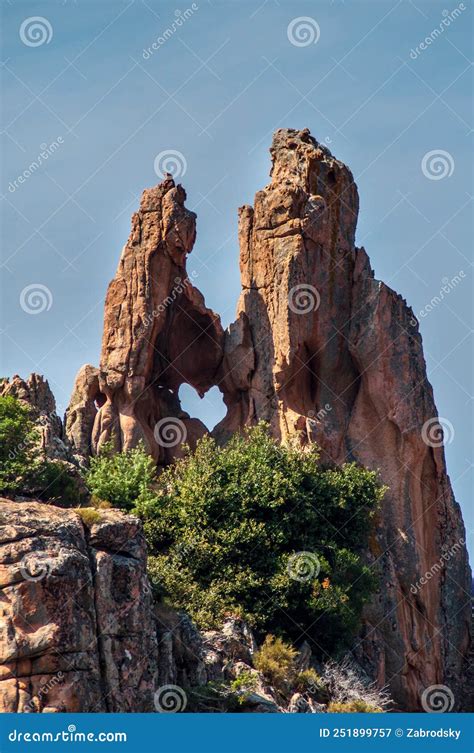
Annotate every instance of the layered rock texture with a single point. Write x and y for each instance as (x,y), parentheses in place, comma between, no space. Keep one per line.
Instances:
(77,620)
(320,350)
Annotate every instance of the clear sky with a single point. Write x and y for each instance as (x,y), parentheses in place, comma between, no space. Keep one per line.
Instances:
(79,86)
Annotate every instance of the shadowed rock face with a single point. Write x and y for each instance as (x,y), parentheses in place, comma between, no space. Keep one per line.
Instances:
(323,352)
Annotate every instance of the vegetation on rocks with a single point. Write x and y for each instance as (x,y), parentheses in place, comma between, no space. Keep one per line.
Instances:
(120,479)
(262,531)
(24,468)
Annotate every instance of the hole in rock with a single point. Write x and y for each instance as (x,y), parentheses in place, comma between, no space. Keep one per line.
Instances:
(210,409)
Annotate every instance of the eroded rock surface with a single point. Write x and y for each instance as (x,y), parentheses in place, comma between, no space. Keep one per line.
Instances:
(158,333)
(323,352)
(77,627)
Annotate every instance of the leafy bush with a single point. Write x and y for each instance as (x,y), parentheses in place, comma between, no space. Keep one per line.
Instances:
(23,467)
(120,478)
(275,660)
(244,529)
(17,442)
(243,686)
(308,681)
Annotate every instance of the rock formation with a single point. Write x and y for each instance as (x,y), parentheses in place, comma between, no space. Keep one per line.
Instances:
(77,621)
(79,632)
(339,361)
(35,392)
(323,352)
(157,335)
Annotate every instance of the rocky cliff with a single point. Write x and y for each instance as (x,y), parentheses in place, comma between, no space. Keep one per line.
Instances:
(324,353)
(80,633)
(77,620)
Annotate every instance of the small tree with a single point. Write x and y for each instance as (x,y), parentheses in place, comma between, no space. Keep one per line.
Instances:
(24,469)
(121,478)
(261,530)
(17,444)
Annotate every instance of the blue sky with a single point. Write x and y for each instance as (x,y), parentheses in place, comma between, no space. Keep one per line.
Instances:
(214,91)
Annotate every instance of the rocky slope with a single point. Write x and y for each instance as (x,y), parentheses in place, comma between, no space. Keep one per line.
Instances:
(323,352)
(80,632)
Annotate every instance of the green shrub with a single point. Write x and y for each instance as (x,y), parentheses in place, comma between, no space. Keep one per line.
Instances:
(276,661)
(308,681)
(120,479)
(243,686)
(24,469)
(355,707)
(17,443)
(88,515)
(226,527)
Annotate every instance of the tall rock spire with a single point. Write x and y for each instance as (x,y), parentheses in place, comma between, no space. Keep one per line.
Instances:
(324,353)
